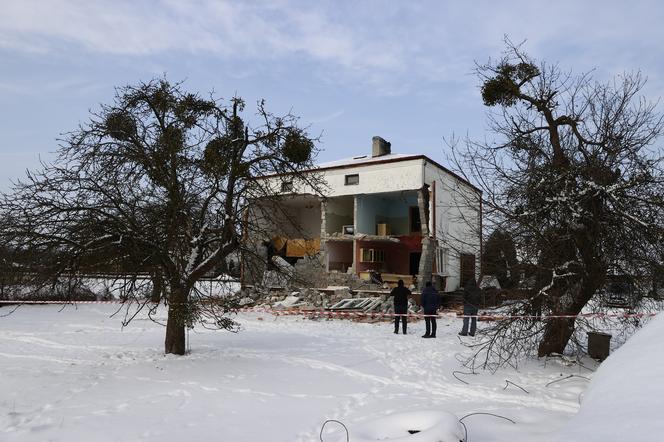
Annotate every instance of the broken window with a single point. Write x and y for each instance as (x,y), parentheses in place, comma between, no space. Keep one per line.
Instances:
(415,223)
(352,179)
(287,186)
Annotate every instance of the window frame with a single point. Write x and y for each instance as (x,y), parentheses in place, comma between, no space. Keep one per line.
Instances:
(351,176)
(286,186)
(442,261)
(372,255)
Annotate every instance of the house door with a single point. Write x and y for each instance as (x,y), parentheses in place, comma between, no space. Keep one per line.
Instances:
(467,270)
(415,262)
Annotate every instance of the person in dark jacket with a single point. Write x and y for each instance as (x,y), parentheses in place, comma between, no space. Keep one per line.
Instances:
(430,304)
(472,297)
(401,295)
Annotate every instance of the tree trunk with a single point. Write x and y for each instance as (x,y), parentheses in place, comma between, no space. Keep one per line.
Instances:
(558,331)
(175,324)
(157,286)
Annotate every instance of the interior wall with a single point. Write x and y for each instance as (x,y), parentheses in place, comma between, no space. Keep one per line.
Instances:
(339,213)
(309,219)
(390,209)
(340,254)
(397,255)
(294,220)
(367,208)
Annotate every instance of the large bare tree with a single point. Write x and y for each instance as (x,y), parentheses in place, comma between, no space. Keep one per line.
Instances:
(574,176)
(155,183)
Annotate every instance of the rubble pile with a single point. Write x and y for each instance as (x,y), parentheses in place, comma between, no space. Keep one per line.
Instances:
(280,289)
(333,298)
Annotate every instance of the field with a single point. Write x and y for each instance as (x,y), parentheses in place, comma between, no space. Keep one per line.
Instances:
(73,374)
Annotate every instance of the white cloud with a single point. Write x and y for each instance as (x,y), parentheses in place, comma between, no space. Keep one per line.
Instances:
(326,118)
(141,27)
(392,47)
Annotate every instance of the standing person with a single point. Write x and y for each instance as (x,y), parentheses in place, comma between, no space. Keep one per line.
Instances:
(430,305)
(472,296)
(401,295)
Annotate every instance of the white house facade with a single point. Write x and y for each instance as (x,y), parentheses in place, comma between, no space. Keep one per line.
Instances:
(386,216)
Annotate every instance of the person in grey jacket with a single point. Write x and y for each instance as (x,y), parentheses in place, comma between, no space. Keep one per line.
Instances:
(430,301)
(472,297)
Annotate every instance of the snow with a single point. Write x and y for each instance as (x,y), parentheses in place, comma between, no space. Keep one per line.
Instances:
(75,374)
(414,426)
(220,286)
(624,400)
(366,160)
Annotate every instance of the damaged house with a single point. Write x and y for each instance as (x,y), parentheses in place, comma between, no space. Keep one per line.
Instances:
(382,217)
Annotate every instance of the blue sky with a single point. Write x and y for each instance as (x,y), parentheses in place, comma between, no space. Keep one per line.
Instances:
(350,69)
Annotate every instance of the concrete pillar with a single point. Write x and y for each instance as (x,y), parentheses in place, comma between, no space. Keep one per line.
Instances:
(429,243)
(323,235)
(354,266)
(423,199)
(323,222)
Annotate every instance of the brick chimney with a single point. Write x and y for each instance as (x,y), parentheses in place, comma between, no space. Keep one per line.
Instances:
(380,147)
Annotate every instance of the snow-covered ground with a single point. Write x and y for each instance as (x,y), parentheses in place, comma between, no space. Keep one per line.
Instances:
(73,374)
(624,401)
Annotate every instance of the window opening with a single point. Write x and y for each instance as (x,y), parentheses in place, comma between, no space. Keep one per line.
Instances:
(351,180)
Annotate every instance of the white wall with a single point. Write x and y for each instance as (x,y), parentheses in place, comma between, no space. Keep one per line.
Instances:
(374,178)
(377,178)
(457,221)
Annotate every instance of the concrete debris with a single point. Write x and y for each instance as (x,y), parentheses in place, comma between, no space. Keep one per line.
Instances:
(333,298)
(489,281)
(289,302)
(246,301)
(364,304)
(283,266)
(272,278)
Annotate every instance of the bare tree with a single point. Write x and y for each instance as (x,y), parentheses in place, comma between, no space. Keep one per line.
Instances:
(499,258)
(156,183)
(575,178)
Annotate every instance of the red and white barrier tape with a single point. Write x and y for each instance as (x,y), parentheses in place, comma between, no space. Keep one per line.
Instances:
(18,302)
(449,315)
(358,314)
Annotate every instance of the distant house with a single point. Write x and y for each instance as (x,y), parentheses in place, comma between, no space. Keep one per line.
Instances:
(393,215)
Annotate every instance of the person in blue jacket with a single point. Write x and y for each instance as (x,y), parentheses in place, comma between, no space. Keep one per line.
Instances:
(430,301)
